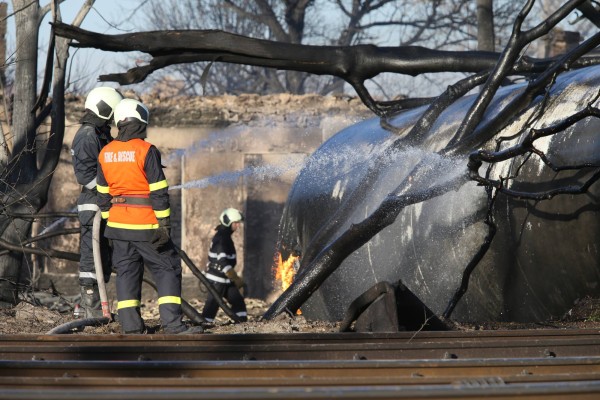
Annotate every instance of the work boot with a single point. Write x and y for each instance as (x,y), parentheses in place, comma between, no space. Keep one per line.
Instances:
(142,331)
(192,330)
(90,302)
(184,330)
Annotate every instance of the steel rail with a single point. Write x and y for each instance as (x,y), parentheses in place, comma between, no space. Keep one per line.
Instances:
(347,346)
(233,381)
(540,364)
(570,390)
(575,378)
(302,369)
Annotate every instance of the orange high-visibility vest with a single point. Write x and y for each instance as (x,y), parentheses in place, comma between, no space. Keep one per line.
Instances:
(123,167)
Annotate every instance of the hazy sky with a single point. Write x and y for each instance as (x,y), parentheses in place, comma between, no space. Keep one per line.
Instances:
(105,17)
(112,17)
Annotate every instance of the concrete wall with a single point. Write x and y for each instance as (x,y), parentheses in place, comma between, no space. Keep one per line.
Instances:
(249,166)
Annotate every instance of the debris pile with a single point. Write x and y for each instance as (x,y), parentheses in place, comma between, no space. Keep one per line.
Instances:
(181,111)
(43,311)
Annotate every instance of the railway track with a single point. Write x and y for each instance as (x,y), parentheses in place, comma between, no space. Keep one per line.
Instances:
(430,365)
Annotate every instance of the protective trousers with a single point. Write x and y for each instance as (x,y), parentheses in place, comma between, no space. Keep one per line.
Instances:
(233,296)
(129,258)
(90,298)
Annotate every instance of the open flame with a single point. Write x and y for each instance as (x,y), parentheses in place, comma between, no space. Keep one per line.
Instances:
(285,271)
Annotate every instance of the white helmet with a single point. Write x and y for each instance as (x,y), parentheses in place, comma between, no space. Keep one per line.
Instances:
(130,108)
(102,101)
(230,215)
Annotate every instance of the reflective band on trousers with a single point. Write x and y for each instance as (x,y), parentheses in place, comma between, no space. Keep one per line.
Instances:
(88,207)
(169,300)
(128,304)
(91,275)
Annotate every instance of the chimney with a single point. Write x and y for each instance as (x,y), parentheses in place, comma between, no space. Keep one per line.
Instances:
(560,42)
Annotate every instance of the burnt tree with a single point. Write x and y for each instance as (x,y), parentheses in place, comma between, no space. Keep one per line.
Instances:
(28,162)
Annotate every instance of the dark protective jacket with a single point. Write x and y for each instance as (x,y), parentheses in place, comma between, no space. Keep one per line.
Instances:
(89,140)
(91,137)
(222,255)
(132,188)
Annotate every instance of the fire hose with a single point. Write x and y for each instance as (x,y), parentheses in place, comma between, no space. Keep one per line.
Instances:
(226,309)
(98,264)
(106,315)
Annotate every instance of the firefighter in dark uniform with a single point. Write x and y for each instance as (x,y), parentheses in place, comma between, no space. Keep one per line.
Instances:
(91,137)
(133,197)
(220,268)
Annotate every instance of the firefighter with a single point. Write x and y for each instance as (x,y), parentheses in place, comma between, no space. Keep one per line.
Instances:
(91,137)
(133,197)
(220,268)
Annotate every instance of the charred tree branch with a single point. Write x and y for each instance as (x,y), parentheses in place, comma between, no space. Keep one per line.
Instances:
(485,246)
(512,52)
(42,252)
(464,284)
(478,157)
(590,12)
(354,64)
(49,235)
(486,131)
(33,216)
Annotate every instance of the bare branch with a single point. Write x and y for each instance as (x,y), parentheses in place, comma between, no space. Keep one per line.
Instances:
(42,252)
(354,64)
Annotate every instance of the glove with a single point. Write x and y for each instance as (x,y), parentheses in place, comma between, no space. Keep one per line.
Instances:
(161,236)
(237,281)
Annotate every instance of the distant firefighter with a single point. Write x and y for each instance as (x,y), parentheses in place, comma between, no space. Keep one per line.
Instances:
(221,263)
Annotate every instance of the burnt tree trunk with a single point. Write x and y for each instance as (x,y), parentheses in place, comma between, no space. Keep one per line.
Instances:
(20,172)
(26,178)
(485,25)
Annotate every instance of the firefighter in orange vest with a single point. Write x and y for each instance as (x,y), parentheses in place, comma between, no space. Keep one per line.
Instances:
(133,197)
